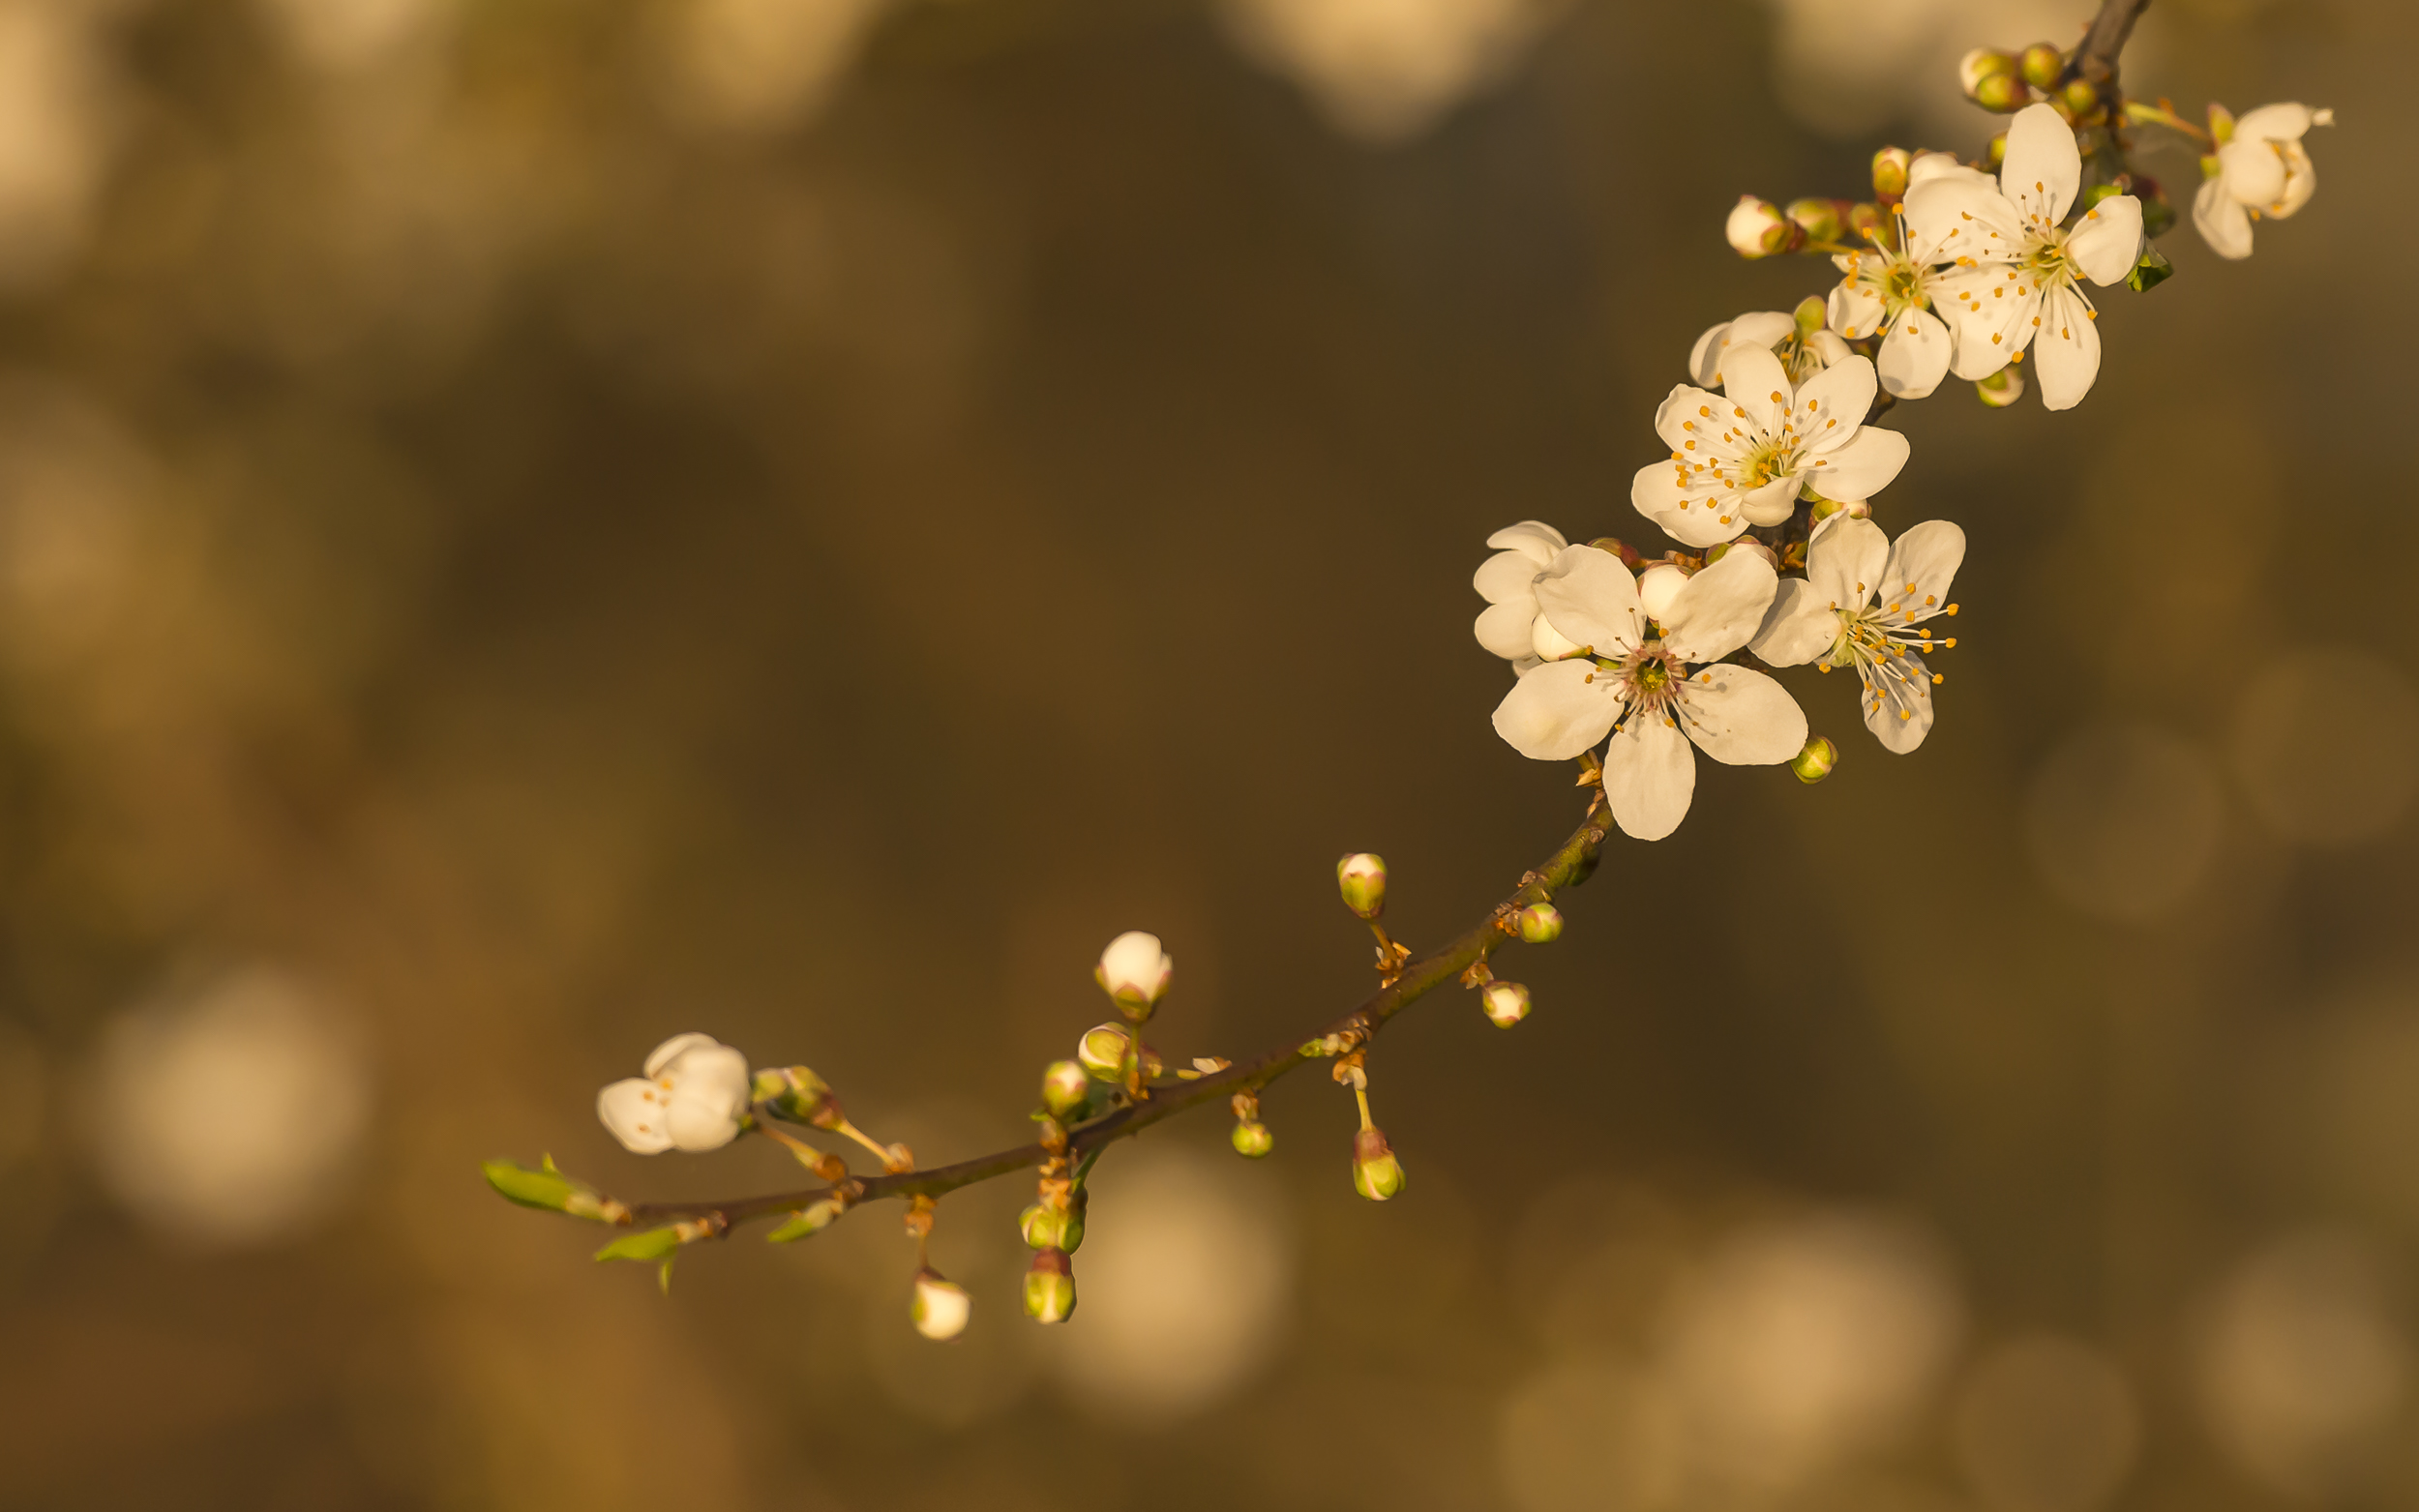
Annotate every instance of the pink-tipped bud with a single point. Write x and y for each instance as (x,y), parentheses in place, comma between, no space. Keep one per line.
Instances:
(1361,878)
(1756,229)
(1820,219)
(1540,924)
(1050,1287)
(2001,389)
(1066,1086)
(1102,1053)
(1047,1228)
(1889,167)
(1505,1003)
(1376,1174)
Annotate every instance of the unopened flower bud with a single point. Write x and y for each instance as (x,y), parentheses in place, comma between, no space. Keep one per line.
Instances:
(2003,93)
(1658,585)
(1756,229)
(1814,763)
(2079,97)
(1999,149)
(2042,66)
(1812,314)
(1506,1003)
(811,1218)
(1540,924)
(2221,124)
(1361,879)
(548,1188)
(648,1244)
(1251,1139)
(1050,1287)
(1102,1051)
(1627,553)
(1134,972)
(1889,167)
(1748,544)
(1821,219)
(1981,64)
(1376,1174)
(2001,389)
(1064,1086)
(1548,644)
(941,1306)
(1046,1228)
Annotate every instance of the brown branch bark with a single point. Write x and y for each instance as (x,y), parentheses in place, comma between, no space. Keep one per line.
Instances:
(2096,61)
(1567,866)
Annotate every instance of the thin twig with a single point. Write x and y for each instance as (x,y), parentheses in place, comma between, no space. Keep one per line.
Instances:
(1566,867)
(2096,60)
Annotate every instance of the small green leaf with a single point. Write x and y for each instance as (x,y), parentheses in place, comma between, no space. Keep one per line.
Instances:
(2151,271)
(809,1219)
(549,1189)
(653,1244)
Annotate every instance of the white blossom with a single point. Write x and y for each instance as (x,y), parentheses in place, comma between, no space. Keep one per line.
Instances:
(1803,353)
(1134,969)
(691,1097)
(1739,458)
(1510,626)
(940,1307)
(1654,687)
(2262,169)
(1890,289)
(2016,268)
(1862,603)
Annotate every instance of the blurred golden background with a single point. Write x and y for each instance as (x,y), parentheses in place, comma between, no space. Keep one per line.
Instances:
(528,527)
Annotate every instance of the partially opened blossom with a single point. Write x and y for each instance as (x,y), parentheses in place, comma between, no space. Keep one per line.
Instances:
(691,1098)
(1890,288)
(2261,169)
(1803,351)
(1653,693)
(1740,457)
(1508,627)
(2018,269)
(1863,604)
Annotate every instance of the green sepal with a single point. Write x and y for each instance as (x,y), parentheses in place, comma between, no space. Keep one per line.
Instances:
(653,1244)
(811,1218)
(2151,271)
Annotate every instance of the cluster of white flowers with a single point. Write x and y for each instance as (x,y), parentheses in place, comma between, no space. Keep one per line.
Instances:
(1774,462)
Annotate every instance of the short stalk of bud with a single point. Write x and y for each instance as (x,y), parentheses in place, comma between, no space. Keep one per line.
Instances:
(1134,971)
(1065,1087)
(1050,1287)
(1361,878)
(1540,924)
(1505,1003)
(1376,1174)
(940,1307)
(1814,763)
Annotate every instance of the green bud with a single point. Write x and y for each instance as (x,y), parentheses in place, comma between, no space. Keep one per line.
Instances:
(550,1189)
(1047,1228)
(2003,93)
(1889,169)
(1506,1003)
(1050,1287)
(651,1244)
(796,1093)
(1756,229)
(1540,924)
(1999,149)
(1821,219)
(1811,316)
(1361,879)
(1065,1087)
(2153,270)
(2079,97)
(2001,389)
(1376,1174)
(1814,763)
(1873,222)
(1251,1139)
(1981,64)
(1102,1053)
(811,1218)
(2042,66)
(2221,124)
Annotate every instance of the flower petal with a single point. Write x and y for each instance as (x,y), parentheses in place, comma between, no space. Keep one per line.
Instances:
(1506,628)
(1717,611)
(1990,319)
(1591,599)
(1690,414)
(2043,168)
(1770,504)
(2222,220)
(1753,381)
(1798,628)
(1854,310)
(1963,219)
(1923,563)
(633,1110)
(679,1045)
(1505,577)
(1558,710)
(2278,123)
(1844,564)
(1915,354)
(2252,172)
(1650,775)
(1899,702)
(700,1123)
(1863,467)
(2067,350)
(1941,165)
(2109,240)
(1834,402)
(1707,352)
(1739,716)
(2300,181)
(1534,537)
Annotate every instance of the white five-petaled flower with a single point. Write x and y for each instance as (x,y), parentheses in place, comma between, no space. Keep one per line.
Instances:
(691,1098)
(1890,290)
(1862,603)
(1510,627)
(1739,458)
(1801,353)
(1653,694)
(2262,169)
(2016,267)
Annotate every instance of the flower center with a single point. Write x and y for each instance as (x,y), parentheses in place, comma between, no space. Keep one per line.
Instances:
(1648,673)
(2046,259)
(1902,288)
(1767,460)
